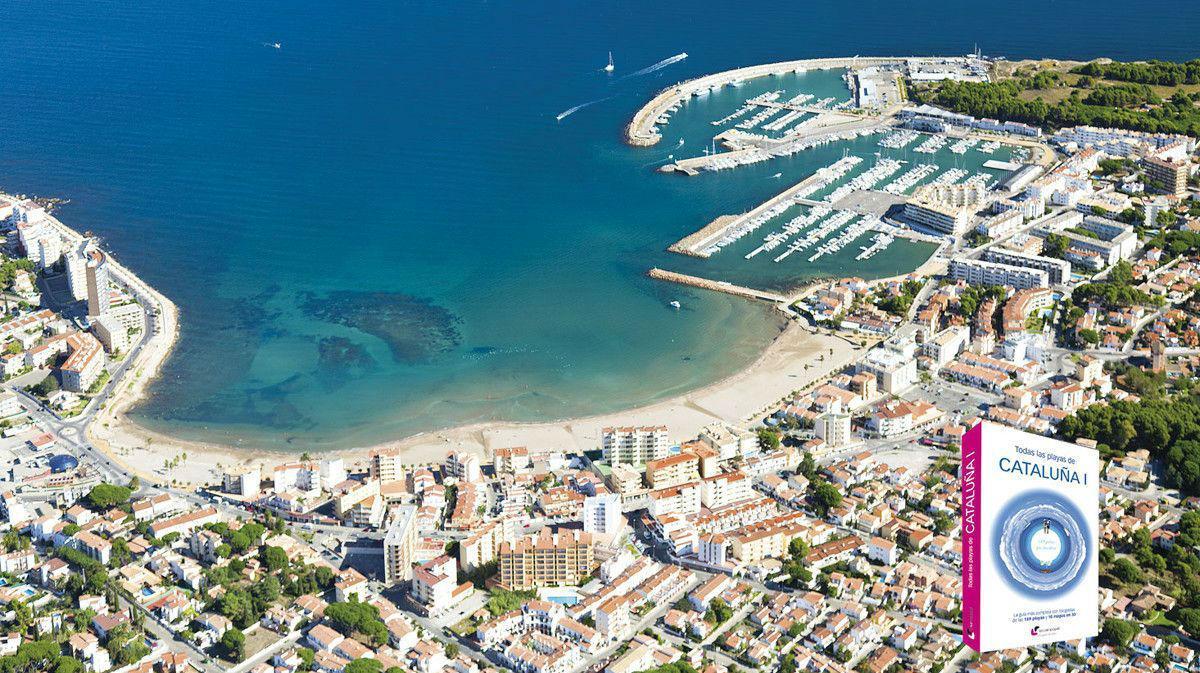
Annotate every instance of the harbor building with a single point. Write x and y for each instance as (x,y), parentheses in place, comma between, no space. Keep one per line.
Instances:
(945,208)
(399,545)
(546,560)
(979,272)
(1058,271)
(635,446)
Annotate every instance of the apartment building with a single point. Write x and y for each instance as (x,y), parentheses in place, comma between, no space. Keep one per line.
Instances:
(979,272)
(602,513)
(1171,174)
(1057,270)
(399,545)
(673,470)
(387,465)
(635,446)
(546,559)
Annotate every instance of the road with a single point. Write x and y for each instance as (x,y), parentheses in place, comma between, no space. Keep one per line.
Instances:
(171,640)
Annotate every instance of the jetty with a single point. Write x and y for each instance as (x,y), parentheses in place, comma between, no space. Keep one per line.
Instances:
(717,286)
(642,131)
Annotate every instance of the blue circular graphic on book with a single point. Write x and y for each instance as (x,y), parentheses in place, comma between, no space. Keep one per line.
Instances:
(1041,543)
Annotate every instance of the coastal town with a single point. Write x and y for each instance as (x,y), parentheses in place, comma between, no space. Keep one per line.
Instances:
(814,531)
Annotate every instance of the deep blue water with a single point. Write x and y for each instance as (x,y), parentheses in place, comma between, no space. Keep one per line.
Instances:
(381,229)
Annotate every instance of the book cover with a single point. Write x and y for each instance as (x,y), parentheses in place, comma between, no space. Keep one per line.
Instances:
(1030,531)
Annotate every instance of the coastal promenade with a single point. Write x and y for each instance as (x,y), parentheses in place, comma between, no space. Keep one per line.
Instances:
(105,413)
(642,132)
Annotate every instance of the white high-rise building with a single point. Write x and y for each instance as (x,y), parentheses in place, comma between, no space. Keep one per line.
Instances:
(333,472)
(602,514)
(464,465)
(833,428)
(635,446)
(77,259)
(399,547)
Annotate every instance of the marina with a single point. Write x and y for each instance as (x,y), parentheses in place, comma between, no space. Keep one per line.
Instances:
(727,229)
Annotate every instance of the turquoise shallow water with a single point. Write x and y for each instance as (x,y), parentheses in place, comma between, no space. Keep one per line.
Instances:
(381,229)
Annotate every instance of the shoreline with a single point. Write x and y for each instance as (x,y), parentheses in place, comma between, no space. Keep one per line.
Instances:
(796,358)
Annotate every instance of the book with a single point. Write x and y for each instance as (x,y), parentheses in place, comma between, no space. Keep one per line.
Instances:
(1030,532)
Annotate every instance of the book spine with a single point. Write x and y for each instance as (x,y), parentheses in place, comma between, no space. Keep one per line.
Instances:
(972,547)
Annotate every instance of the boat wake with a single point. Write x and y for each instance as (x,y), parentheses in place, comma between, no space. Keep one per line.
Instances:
(570,111)
(657,66)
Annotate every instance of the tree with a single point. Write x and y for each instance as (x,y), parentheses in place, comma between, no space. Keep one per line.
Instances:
(274,558)
(106,496)
(808,466)
(452,650)
(1189,619)
(234,643)
(1127,571)
(1118,632)
(719,611)
(825,496)
(306,657)
(768,439)
(798,548)
(365,665)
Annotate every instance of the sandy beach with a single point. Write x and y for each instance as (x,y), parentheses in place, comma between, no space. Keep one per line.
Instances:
(796,359)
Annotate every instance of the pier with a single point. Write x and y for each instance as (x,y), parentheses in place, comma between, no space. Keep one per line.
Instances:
(717,286)
(700,243)
(747,148)
(642,132)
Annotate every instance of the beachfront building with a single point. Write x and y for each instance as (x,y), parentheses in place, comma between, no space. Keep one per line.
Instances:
(111,333)
(635,446)
(76,265)
(546,559)
(399,545)
(387,465)
(244,481)
(99,295)
(464,465)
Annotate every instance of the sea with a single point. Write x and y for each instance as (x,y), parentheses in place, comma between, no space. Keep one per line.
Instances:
(375,224)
